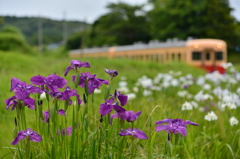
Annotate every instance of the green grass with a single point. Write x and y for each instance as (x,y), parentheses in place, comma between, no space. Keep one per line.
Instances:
(209,140)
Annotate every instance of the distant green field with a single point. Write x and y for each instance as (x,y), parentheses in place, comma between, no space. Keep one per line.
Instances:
(209,140)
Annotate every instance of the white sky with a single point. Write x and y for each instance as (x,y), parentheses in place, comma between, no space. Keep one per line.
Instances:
(88,10)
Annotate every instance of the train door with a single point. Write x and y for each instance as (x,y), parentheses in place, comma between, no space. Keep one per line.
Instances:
(208,60)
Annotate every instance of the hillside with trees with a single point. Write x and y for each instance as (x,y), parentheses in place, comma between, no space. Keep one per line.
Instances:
(11,39)
(52,30)
(125,24)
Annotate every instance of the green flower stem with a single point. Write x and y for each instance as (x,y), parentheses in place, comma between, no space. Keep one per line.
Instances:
(132,153)
(27,148)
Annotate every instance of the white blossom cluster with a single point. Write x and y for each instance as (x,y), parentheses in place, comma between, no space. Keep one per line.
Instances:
(216,91)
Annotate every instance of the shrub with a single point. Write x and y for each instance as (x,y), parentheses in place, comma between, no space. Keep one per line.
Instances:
(11,39)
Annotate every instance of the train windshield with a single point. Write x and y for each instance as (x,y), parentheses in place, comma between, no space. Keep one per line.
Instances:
(219,55)
(196,55)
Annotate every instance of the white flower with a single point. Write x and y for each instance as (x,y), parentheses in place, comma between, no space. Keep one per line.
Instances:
(211,116)
(165,84)
(182,93)
(232,81)
(147,93)
(131,96)
(229,105)
(123,89)
(157,88)
(200,81)
(122,84)
(238,90)
(123,78)
(174,82)
(187,106)
(135,89)
(97,91)
(43,95)
(201,97)
(194,104)
(189,76)
(207,86)
(237,76)
(232,69)
(226,65)
(189,96)
(145,82)
(233,121)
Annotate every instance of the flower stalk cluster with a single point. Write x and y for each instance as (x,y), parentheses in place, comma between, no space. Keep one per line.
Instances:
(63,130)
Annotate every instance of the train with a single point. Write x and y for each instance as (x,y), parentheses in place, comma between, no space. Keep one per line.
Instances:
(208,54)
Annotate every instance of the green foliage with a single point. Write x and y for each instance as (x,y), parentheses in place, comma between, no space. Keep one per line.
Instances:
(1,20)
(74,41)
(11,39)
(52,29)
(216,139)
(123,24)
(196,18)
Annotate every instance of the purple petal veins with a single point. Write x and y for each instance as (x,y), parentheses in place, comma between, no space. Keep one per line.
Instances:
(74,64)
(133,132)
(33,136)
(174,126)
(112,73)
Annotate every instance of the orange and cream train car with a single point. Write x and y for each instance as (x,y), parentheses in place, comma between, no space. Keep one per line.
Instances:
(205,53)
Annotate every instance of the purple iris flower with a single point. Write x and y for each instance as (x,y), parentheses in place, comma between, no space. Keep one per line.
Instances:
(91,81)
(174,126)
(122,98)
(95,83)
(129,116)
(112,73)
(133,132)
(74,64)
(108,106)
(53,82)
(66,95)
(29,134)
(61,112)
(22,90)
(67,131)
(13,101)
(46,116)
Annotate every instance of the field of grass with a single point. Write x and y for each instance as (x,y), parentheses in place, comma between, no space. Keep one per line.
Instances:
(211,139)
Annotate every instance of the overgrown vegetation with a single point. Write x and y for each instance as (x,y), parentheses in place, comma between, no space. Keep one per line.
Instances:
(52,30)
(11,39)
(125,24)
(214,139)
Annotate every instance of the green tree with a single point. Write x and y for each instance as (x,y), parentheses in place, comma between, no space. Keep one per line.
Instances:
(196,18)
(52,29)
(123,24)
(1,20)
(74,41)
(11,39)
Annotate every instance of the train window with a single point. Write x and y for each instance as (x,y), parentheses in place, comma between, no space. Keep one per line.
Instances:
(196,55)
(219,55)
(179,57)
(207,56)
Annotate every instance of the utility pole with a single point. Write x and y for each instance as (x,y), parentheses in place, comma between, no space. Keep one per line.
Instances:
(83,39)
(40,37)
(65,28)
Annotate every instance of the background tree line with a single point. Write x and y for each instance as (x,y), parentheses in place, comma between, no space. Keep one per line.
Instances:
(125,24)
(52,30)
